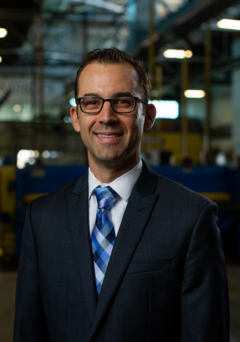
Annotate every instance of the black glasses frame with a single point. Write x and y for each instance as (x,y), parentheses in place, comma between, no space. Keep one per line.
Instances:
(78,100)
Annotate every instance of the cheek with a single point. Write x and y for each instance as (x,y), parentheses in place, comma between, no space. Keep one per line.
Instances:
(139,122)
(85,125)
(135,129)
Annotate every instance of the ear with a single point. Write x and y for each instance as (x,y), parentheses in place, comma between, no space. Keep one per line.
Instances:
(150,115)
(75,119)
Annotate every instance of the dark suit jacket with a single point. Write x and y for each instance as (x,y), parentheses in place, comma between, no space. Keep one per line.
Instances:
(166,279)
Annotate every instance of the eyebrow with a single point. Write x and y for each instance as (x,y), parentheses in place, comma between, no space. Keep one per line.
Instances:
(119,94)
(122,94)
(92,94)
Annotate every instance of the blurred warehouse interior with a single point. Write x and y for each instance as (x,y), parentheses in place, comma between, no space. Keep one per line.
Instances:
(191,50)
(46,41)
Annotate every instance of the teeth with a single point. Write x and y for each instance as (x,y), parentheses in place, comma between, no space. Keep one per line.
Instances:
(108,136)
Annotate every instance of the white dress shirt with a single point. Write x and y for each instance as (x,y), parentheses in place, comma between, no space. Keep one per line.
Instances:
(123,187)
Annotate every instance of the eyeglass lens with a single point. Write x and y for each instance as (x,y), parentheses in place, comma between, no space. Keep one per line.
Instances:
(120,104)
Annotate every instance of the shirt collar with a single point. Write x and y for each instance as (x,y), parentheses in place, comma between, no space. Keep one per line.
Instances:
(123,185)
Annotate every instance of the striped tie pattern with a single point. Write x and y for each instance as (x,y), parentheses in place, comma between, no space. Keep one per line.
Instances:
(103,236)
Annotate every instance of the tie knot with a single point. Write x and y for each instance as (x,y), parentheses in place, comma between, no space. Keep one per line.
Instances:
(106,197)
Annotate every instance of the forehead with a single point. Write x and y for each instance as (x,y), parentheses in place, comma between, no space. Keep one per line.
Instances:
(107,78)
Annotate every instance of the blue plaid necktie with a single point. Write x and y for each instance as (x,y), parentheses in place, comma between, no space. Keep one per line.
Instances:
(103,236)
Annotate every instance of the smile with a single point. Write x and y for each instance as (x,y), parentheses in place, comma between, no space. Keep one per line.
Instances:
(109,136)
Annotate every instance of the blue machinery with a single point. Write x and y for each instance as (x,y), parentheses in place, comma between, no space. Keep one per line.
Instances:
(220,184)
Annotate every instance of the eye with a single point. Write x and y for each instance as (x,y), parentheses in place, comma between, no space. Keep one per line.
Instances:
(121,101)
(92,102)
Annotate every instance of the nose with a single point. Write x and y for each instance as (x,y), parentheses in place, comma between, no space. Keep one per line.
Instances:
(107,115)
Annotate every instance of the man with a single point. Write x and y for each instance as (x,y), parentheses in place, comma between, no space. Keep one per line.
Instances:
(121,254)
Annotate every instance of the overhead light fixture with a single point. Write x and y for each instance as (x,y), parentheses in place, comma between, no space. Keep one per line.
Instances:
(54,154)
(3,32)
(104,4)
(221,159)
(188,54)
(17,108)
(229,24)
(46,154)
(36,154)
(0,59)
(180,54)
(24,157)
(194,94)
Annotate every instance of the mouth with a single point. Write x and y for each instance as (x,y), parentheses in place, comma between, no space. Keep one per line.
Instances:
(109,137)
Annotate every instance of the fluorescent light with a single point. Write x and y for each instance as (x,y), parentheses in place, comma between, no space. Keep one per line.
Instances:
(3,32)
(107,5)
(36,154)
(188,54)
(221,159)
(194,94)
(104,4)
(46,154)
(17,108)
(229,24)
(54,154)
(72,102)
(180,54)
(23,157)
(166,109)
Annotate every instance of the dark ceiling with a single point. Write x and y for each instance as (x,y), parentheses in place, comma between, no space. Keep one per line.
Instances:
(16,17)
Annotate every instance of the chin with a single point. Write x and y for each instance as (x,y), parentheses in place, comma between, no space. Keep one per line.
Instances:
(109,155)
(110,159)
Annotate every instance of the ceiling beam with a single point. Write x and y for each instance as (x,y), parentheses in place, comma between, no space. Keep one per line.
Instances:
(179,24)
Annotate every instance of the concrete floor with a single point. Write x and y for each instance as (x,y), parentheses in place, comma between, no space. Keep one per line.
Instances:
(234,295)
(7,299)
(7,304)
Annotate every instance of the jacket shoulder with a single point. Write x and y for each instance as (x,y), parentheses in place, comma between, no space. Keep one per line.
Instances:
(55,199)
(179,195)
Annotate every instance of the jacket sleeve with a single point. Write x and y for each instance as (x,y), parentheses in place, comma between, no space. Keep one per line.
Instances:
(204,293)
(30,324)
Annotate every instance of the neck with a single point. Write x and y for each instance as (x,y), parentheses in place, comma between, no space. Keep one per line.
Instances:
(108,173)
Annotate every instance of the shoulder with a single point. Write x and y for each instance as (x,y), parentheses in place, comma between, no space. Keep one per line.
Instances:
(173,196)
(183,211)
(181,198)
(56,200)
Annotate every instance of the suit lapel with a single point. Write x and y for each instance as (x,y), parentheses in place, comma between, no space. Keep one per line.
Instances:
(79,226)
(138,211)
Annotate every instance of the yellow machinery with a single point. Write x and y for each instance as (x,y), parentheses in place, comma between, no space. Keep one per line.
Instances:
(173,143)
(7,210)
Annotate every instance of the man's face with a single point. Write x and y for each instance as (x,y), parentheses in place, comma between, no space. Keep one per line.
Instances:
(111,138)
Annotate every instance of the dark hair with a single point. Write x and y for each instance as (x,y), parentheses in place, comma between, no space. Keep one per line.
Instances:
(114,55)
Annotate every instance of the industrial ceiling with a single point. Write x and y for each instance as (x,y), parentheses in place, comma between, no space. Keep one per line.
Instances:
(47,40)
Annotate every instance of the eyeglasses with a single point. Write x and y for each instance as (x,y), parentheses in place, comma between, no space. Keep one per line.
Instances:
(93,105)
